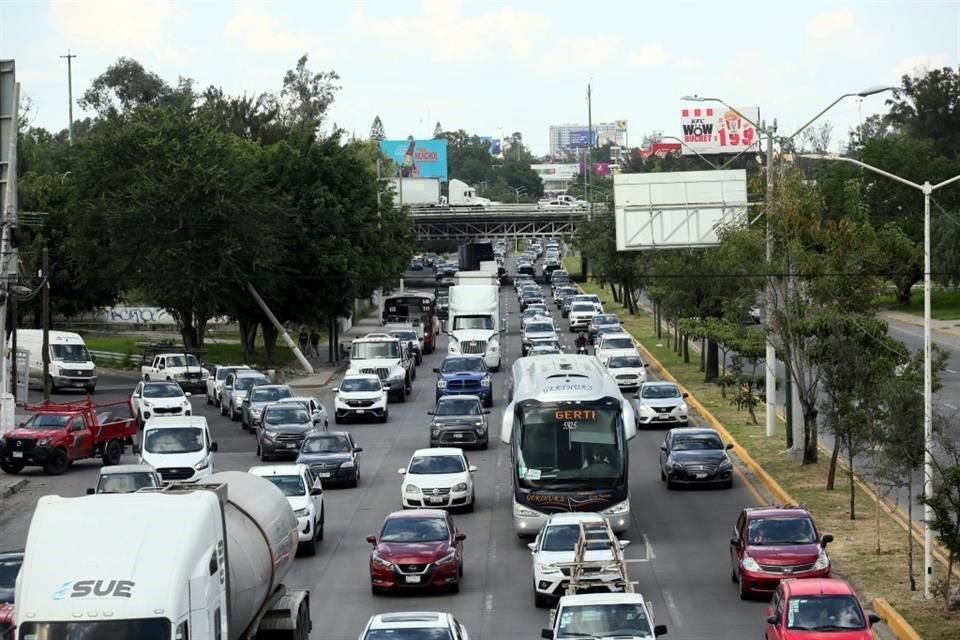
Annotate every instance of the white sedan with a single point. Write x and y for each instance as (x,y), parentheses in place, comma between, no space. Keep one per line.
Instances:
(611,343)
(438,478)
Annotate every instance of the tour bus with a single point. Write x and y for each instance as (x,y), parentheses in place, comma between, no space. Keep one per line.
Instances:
(567,425)
(418,309)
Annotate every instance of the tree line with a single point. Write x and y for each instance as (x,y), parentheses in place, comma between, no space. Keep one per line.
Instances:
(181,198)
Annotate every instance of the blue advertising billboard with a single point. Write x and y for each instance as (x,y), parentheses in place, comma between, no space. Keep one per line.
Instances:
(417,158)
(579,139)
(496,147)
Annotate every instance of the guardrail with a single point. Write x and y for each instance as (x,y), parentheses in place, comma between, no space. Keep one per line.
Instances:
(503,208)
(110,356)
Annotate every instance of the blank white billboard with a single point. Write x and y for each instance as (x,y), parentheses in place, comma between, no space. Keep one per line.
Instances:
(676,210)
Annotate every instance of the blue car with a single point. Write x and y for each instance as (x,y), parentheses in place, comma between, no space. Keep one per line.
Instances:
(465,375)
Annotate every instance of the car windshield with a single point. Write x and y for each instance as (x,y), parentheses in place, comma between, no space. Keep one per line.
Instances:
(162,390)
(350,385)
(125,482)
(458,407)
(43,421)
(405,335)
(435,465)
(605,319)
(781,531)
(283,414)
(223,372)
(290,485)
(532,294)
(581,307)
(409,633)
(824,613)
(540,327)
(9,568)
(473,322)
(456,365)
(564,537)
(244,383)
(698,442)
(414,530)
(188,360)
(173,440)
(617,343)
(602,621)
(660,391)
(270,394)
(70,352)
(389,350)
(625,362)
(327,444)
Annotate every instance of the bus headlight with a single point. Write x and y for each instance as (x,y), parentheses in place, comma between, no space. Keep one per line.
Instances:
(520,511)
(618,509)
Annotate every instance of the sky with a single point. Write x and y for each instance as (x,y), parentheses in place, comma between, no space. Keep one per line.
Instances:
(490,67)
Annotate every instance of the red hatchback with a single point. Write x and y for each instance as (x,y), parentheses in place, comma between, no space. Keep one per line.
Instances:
(773,543)
(417,549)
(818,609)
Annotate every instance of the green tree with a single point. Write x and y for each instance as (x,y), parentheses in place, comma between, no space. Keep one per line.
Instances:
(306,95)
(376,129)
(927,107)
(944,501)
(126,85)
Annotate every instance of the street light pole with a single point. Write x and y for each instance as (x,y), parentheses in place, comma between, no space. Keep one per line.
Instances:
(70,57)
(927,189)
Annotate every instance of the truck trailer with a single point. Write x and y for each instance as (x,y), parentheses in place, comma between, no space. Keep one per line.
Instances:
(202,561)
(415,192)
(474,322)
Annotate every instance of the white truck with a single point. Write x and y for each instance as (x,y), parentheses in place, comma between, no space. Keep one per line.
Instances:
(415,192)
(183,368)
(477,278)
(386,357)
(474,321)
(463,195)
(203,561)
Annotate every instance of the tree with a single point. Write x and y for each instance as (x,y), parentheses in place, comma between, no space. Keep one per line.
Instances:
(927,107)
(256,118)
(438,131)
(306,95)
(376,129)
(126,85)
(944,501)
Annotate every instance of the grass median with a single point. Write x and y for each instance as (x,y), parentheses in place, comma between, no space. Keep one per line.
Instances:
(854,551)
(944,304)
(227,352)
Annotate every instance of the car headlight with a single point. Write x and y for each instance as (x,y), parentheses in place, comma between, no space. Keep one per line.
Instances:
(200,466)
(347,465)
(269,435)
(682,408)
(411,489)
(617,509)
(43,442)
(549,568)
(147,404)
(460,486)
(436,433)
(238,400)
(453,347)
(381,561)
(255,412)
(647,411)
(749,564)
(823,561)
(301,513)
(441,384)
(725,463)
(397,375)
(485,382)
(521,511)
(447,559)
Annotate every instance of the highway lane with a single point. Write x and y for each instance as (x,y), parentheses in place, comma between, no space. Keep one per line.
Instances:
(688,581)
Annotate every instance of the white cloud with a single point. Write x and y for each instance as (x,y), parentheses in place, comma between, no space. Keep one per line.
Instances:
(121,27)
(592,53)
(649,55)
(752,74)
(837,32)
(255,29)
(918,64)
(689,63)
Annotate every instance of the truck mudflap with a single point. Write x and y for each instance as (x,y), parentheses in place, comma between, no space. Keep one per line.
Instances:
(286,614)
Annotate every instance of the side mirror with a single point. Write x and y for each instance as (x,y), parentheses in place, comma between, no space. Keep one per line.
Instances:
(730,445)
(547,634)
(826,539)
(486,411)
(646,364)
(663,446)
(91,491)
(402,471)
(336,389)
(686,395)
(873,619)
(135,448)
(532,546)
(460,536)
(316,491)
(93,359)
(735,542)
(214,447)
(773,620)
(372,539)
(187,394)
(624,544)
(436,370)
(473,468)
(431,412)
(358,450)
(660,630)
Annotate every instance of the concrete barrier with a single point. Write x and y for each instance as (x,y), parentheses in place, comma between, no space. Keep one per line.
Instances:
(900,627)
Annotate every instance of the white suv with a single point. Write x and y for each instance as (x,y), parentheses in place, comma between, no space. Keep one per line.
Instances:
(360,396)
(614,343)
(581,313)
(414,624)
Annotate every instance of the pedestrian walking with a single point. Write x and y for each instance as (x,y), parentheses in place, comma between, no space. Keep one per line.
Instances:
(315,343)
(303,342)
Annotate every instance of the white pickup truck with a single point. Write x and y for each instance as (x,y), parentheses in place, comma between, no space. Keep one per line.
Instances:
(604,615)
(183,368)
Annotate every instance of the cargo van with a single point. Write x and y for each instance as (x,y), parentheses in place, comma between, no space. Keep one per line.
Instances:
(71,365)
(179,448)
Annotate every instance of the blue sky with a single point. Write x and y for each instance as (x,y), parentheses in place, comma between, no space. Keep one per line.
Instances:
(491,66)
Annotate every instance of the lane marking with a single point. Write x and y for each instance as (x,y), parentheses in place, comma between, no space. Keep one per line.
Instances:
(672,607)
(954,407)
(650,553)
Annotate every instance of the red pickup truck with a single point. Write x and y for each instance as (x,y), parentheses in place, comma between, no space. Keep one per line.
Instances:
(56,435)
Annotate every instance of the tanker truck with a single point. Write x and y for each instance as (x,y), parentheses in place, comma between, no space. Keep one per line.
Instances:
(202,561)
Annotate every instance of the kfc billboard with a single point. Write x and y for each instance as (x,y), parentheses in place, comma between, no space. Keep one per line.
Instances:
(719,130)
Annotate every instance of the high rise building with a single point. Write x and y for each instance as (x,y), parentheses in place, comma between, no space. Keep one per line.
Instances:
(571,138)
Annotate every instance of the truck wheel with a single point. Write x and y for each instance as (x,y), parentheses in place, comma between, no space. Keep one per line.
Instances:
(146,377)
(112,452)
(57,463)
(53,387)
(488,401)
(209,399)
(12,466)
(403,396)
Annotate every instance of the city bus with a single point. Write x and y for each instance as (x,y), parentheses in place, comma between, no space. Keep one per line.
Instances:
(418,309)
(567,425)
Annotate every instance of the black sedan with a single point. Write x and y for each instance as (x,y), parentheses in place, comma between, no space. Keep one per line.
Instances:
(695,455)
(333,456)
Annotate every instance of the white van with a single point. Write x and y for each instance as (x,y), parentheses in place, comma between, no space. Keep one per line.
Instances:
(179,448)
(71,365)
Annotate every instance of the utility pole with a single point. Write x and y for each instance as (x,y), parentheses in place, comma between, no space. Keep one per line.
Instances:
(45,283)
(589,163)
(8,252)
(70,57)
(771,354)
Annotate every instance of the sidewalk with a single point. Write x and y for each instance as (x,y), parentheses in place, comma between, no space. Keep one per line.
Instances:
(949,328)
(323,369)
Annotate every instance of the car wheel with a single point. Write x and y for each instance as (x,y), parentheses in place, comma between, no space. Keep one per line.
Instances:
(460,569)
(744,594)
(209,399)
(233,415)
(455,587)
(488,401)
(403,396)
(485,444)
(670,484)
(222,409)
(323,520)
(473,502)
(377,591)
(112,452)
(12,466)
(540,600)
(336,419)
(309,548)
(57,463)
(663,476)
(728,484)
(733,576)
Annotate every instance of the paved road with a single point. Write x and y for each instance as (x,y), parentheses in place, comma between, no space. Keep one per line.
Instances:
(688,581)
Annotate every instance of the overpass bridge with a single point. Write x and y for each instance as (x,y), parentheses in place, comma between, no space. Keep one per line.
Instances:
(502,220)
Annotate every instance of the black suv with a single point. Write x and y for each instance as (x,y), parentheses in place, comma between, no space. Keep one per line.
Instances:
(459,421)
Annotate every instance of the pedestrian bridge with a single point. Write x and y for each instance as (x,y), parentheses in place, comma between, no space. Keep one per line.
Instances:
(507,220)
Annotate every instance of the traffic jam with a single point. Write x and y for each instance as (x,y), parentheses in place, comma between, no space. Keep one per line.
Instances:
(180,549)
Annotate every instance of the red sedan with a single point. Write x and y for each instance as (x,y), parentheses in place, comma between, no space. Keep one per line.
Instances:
(417,549)
(817,609)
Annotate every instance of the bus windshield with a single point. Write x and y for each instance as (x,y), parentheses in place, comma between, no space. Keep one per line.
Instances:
(570,443)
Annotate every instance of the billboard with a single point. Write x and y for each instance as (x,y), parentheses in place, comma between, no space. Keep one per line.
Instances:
(599,168)
(661,149)
(676,210)
(621,125)
(556,171)
(719,130)
(578,138)
(496,146)
(417,158)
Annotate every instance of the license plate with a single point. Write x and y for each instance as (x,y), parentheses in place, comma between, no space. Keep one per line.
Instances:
(458,436)
(361,411)
(699,476)
(76,383)
(663,417)
(413,579)
(290,445)
(324,474)
(18,454)
(437,500)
